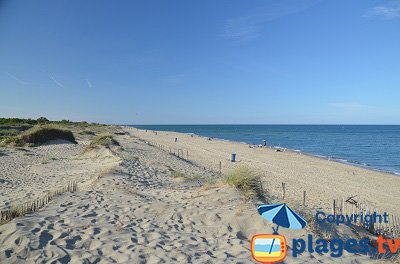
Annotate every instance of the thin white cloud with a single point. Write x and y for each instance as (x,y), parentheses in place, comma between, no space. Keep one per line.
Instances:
(89,84)
(16,78)
(388,11)
(251,25)
(57,82)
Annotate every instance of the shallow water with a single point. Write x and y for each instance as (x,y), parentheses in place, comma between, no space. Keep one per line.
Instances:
(374,146)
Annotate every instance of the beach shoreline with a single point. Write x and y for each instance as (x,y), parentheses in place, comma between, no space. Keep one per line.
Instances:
(342,160)
(382,178)
(137,202)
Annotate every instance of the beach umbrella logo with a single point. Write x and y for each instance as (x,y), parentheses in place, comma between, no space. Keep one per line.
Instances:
(270,248)
(281,215)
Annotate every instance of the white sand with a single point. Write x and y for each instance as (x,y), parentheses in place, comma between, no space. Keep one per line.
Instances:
(323,180)
(29,173)
(139,213)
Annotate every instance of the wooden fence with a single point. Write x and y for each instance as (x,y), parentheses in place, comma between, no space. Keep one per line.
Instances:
(35,205)
(350,206)
(179,153)
(344,206)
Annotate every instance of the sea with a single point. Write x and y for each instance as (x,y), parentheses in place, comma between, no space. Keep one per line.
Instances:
(372,146)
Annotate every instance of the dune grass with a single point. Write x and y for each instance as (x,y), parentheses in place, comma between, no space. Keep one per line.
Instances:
(38,135)
(87,132)
(245,180)
(178,174)
(8,132)
(105,140)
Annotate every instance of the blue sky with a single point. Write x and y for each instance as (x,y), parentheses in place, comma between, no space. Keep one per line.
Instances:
(201,62)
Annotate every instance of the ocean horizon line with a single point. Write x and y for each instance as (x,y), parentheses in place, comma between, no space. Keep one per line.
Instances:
(364,145)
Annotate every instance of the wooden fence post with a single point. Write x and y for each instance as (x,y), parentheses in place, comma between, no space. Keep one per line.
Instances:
(342,209)
(393,228)
(334,207)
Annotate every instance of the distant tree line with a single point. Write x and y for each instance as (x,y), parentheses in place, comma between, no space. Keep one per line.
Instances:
(29,121)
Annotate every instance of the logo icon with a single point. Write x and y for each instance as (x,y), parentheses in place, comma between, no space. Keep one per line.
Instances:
(267,248)
(272,248)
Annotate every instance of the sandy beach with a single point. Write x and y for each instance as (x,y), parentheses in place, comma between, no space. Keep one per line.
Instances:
(201,132)
(324,180)
(131,208)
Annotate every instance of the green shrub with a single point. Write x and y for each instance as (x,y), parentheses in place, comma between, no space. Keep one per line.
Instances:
(39,121)
(8,132)
(42,120)
(39,135)
(245,180)
(87,132)
(17,121)
(105,140)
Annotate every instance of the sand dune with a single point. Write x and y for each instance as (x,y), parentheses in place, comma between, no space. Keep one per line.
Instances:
(137,213)
(29,173)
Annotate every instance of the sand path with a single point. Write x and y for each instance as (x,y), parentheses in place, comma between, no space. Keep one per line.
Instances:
(140,214)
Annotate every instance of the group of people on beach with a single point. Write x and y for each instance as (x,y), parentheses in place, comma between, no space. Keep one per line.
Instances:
(259,145)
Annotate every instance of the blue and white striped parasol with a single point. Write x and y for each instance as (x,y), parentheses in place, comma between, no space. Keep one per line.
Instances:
(282,215)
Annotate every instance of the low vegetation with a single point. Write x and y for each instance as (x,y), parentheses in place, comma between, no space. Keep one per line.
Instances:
(178,174)
(38,135)
(18,121)
(8,132)
(245,180)
(39,121)
(105,140)
(13,131)
(87,132)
